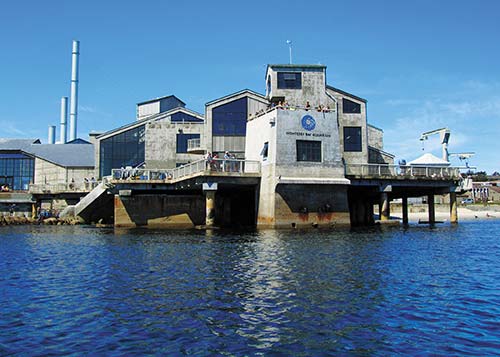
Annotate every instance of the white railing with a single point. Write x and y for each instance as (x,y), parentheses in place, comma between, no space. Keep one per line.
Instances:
(227,166)
(62,187)
(408,171)
(193,144)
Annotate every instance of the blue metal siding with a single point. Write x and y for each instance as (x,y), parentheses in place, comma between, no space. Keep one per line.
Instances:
(169,103)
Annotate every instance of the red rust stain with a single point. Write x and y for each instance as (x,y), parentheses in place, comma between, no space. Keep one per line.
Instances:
(325,216)
(304,217)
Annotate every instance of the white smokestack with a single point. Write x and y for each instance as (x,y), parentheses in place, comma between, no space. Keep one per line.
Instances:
(64,119)
(52,134)
(74,91)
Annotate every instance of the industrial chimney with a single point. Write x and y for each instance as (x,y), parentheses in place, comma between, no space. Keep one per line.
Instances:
(64,119)
(74,91)
(52,134)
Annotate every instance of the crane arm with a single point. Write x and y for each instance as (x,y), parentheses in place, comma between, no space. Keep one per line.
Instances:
(443,132)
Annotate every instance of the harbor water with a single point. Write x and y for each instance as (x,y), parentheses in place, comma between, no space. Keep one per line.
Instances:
(382,291)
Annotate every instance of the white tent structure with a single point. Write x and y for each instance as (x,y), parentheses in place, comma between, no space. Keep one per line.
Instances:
(429,160)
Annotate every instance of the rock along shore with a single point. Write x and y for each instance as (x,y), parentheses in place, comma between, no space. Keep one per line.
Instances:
(15,220)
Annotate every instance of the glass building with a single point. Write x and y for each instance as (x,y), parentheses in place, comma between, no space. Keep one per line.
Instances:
(122,150)
(16,170)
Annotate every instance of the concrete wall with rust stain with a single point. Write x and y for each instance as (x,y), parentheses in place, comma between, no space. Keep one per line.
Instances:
(160,210)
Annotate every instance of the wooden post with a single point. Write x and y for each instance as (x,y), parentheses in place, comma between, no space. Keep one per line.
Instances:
(432,212)
(405,209)
(453,208)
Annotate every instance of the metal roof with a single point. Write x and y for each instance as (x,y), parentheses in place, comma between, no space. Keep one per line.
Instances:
(236,94)
(79,154)
(346,93)
(17,144)
(160,98)
(67,155)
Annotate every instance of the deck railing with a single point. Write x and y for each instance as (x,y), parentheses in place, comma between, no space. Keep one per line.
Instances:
(227,166)
(62,187)
(407,171)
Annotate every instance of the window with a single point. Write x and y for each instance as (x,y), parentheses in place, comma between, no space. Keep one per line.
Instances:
(230,119)
(350,107)
(265,151)
(182,139)
(123,149)
(308,150)
(289,80)
(352,138)
(184,117)
(16,170)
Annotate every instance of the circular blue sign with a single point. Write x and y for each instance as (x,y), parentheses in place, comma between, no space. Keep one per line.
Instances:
(308,122)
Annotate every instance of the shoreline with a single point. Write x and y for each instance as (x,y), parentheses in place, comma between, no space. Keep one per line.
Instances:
(442,213)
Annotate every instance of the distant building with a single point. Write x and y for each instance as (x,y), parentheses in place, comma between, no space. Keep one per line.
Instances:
(27,161)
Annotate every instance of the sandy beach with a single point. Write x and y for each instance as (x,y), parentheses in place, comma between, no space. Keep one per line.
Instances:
(465,213)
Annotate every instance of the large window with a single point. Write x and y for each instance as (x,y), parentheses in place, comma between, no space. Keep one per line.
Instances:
(184,117)
(230,119)
(352,138)
(16,170)
(308,150)
(182,139)
(289,80)
(124,149)
(350,107)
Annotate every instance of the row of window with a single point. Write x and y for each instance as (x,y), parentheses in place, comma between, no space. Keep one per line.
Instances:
(16,170)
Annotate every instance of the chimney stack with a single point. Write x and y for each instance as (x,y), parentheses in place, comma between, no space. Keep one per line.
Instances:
(74,91)
(64,119)
(52,134)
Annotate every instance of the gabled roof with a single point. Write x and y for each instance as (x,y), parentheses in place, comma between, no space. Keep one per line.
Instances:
(66,155)
(79,154)
(78,141)
(381,151)
(150,118)
(429,160)
(235,94)
(160,98)
(374,127)
(17,144)
(346,93)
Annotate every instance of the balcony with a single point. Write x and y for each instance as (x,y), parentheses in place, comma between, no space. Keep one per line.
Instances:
(194,146)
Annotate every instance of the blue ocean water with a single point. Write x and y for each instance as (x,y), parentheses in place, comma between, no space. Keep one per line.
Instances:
(382,291)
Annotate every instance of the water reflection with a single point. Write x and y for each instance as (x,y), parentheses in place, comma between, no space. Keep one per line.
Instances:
(361,292)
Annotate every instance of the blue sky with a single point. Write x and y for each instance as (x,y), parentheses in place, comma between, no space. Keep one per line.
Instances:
(421,65)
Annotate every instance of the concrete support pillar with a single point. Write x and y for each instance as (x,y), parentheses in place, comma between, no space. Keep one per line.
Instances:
(432,212)
(453,208)
(33,211)
(385,209)
(210,208)
(405,209)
